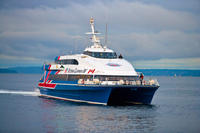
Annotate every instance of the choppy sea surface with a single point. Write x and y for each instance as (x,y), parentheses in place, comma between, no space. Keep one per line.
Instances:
(175,109)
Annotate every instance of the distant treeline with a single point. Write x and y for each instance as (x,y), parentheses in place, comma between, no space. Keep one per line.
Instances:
(169,72)
(31,70)
(146,72)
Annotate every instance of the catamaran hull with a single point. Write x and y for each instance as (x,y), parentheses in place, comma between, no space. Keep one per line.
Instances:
(106,95)
(132,95)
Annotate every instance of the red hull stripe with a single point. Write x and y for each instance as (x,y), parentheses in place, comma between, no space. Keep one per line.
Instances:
(57,71)
(55,74)
(47,85)
(49,67)
(47,76)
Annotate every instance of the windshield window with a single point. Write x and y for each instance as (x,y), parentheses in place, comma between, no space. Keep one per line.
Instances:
(67,61)
(104,55)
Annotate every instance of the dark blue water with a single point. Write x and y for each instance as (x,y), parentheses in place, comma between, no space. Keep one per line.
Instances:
(175,108)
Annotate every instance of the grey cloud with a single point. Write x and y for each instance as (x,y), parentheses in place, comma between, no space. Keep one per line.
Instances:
(139,30)
(188,5)
(128,15)
(164,44)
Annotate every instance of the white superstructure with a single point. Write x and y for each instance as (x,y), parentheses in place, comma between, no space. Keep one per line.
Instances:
(95,60)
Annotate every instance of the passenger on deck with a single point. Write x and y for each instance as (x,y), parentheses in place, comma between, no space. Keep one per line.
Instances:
(141,78)
(120,56)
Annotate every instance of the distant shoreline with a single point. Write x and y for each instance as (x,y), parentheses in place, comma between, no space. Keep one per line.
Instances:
(147,72)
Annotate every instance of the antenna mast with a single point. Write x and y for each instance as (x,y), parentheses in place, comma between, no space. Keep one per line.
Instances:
(95,39)
(106,34)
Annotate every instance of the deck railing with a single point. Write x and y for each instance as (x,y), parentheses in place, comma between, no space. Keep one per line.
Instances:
(150,82)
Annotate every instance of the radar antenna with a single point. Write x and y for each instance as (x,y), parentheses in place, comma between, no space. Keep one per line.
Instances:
(95,39)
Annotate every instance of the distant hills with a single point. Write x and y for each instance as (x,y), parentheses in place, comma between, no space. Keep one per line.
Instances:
(31,70)
(2,70)
(146,72)
(169,72)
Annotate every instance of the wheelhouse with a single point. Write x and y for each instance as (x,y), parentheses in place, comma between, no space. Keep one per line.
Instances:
(102,55)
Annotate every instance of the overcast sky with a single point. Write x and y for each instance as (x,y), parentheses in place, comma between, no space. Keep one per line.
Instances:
(150,34)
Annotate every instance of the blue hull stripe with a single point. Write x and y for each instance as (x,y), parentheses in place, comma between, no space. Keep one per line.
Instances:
(73,100)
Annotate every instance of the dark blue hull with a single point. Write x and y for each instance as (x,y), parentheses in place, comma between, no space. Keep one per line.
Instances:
(132,95)
(92,95)
(100,94)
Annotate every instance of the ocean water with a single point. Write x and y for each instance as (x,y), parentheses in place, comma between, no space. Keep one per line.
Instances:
(175,109)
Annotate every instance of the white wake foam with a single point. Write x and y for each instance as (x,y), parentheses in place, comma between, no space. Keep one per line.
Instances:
(25,93)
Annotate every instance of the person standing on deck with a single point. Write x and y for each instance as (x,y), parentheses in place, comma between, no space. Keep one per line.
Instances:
(141,78)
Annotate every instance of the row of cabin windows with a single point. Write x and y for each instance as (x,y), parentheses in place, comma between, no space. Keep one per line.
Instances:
(66,77)
(104,55)
(67,61)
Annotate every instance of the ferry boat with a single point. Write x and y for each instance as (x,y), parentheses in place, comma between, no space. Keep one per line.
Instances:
(97,76)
